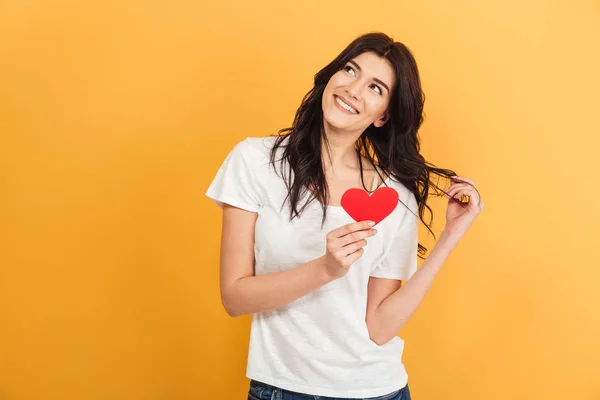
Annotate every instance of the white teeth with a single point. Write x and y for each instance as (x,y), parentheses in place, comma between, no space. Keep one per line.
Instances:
(345,106)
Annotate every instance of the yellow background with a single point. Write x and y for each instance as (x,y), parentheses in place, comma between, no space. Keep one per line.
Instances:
(116,115)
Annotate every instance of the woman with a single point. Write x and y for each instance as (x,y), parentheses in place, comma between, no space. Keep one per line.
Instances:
(326,292)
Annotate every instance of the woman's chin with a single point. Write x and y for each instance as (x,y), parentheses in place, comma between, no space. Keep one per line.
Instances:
(338,121)
(337,125)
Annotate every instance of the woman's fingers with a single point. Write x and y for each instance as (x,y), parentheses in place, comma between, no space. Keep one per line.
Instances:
(350,228)
(351,259)
(462,179)
(459,190)
(349,238)
(454,188)
(356,236)
(351,248)
(462,189)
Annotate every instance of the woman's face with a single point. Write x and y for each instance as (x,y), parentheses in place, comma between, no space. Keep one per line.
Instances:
(359,94)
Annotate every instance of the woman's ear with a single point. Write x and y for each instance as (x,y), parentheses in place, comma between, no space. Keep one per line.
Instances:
(381,121)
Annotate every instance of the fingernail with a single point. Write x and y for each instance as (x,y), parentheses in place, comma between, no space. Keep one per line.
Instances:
(371,223)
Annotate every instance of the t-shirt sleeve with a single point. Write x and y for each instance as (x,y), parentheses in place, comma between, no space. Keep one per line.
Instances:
(236,181)
(400,262)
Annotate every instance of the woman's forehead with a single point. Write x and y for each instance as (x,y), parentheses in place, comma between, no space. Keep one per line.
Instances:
(376,66)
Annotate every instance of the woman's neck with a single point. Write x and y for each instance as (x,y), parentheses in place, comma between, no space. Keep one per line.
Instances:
(339,151)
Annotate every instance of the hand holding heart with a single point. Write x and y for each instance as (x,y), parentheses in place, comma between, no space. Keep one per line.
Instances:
(345,244)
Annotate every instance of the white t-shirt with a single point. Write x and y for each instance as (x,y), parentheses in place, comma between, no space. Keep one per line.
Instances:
(319,344)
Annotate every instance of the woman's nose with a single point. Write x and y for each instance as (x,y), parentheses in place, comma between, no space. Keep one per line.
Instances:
(354,91)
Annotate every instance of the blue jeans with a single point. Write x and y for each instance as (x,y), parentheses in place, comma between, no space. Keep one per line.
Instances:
(263,391)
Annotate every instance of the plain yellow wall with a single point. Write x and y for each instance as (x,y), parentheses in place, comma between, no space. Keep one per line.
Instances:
(116,115)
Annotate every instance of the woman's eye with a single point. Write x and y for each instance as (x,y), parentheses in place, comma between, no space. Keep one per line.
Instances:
(377,89)
(349,69)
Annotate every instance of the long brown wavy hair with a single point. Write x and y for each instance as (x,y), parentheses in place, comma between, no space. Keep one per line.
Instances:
(394,147)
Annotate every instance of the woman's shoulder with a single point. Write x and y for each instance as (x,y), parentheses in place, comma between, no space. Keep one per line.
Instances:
(254,153)
(257,147)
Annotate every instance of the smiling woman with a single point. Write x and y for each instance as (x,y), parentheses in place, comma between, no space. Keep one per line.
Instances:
(328,294)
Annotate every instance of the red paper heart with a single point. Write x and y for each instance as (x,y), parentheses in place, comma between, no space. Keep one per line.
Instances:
(362,207)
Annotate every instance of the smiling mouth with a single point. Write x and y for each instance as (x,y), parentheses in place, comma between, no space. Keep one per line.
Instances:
(345,106)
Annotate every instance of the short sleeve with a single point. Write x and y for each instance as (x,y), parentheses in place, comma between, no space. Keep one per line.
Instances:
(236,181)
(400,261)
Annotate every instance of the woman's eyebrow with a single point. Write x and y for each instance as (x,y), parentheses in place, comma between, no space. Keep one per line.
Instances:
(375,79)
